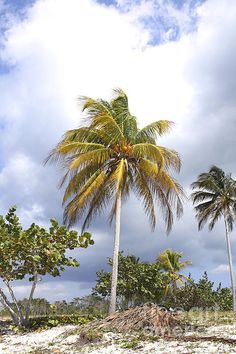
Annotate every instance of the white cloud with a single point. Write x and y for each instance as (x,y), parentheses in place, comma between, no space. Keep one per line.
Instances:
(54,291)
(222,268)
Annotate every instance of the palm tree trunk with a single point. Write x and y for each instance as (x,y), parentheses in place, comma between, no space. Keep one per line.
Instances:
(112,307)
(230,262)
(174,291)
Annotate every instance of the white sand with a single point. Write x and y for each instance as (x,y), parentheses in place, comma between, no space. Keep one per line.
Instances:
(62,340)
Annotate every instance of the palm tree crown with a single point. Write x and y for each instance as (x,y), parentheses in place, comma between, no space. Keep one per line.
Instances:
(215,197)
(110,156)
(170,262)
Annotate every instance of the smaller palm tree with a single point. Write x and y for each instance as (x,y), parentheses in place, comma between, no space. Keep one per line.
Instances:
(170,262)
(216,197)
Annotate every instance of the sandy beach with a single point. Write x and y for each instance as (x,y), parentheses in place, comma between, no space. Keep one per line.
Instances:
(65,339)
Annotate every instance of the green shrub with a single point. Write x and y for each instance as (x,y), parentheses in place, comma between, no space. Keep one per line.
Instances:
(55,320)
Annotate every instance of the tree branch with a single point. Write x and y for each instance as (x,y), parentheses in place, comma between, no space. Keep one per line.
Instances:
(21,317)
(35,281)
(7,305)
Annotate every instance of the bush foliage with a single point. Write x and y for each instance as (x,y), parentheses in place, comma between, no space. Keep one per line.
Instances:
(141,282)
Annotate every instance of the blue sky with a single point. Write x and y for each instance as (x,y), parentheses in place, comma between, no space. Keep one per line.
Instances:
(19,4)
(160,19)
(174,62)
(177,3)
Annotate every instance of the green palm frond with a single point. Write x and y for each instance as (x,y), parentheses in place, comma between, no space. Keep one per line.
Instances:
(152,131)
(203,212)
(230,219)
(200,196)
(100,116)
(94,107)
(215,216)
(165,261)
(108,123)
(122,115)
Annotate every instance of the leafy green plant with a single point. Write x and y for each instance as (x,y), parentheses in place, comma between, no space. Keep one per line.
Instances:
(32,253)
(90,304)
(138,282)
(202,295)
(130,344)
(54,320)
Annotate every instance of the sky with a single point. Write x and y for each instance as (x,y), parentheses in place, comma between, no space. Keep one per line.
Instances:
(174,59)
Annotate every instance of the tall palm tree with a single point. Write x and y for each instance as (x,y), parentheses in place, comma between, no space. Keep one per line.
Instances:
(170,262)
(108,157)
(216,197)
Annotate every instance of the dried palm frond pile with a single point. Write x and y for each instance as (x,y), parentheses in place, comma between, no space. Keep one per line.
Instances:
(149,318)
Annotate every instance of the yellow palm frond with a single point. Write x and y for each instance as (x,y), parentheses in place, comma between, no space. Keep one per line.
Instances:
(78,147)
(172,159)
(98,156)
(118,175)
(168,182)
(100,201)
(169,193)
(93,106)
(153,130)
(159,179)
(164,260)
(78,180)
(143,192)
(80,202)
(148,167)
(89,190)
(149,151)
(87,134)
(116,182)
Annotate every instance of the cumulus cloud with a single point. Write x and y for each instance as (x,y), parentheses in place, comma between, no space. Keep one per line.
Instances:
(59,50)
(222,268)
(57,291)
